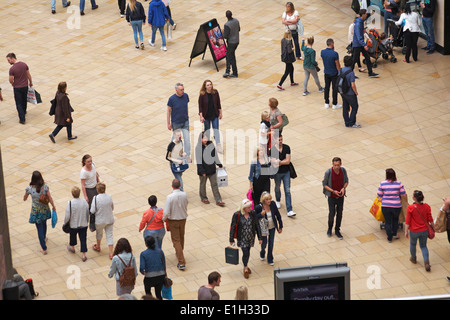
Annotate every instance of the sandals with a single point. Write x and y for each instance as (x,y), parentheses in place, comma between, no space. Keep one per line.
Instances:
(362,70)
(95,248)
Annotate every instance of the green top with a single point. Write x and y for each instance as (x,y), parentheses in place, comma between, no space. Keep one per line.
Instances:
(309,57)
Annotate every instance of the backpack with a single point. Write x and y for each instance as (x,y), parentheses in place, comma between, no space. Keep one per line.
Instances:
(128,276)
(342,84)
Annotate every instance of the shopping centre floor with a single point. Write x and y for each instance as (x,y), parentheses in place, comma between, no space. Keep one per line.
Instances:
(120,96)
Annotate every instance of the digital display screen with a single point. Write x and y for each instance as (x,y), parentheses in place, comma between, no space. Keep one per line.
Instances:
(315,289)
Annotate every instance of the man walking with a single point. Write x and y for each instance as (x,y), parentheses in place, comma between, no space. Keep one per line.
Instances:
(207,292)
(20,79)
(359,45)
(175,211)
(231,34)
(335,181)
(331,67)
(178,116)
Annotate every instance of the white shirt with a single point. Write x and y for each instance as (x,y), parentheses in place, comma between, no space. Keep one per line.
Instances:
(412,21)
(288,18)
(89,176)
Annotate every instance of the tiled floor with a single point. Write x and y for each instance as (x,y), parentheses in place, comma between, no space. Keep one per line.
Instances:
(119,95)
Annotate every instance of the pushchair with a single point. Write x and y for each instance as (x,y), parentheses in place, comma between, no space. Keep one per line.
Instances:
(397,34)
(377,49)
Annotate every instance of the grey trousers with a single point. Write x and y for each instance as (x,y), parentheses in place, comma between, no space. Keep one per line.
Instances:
(313,72)
(215,188)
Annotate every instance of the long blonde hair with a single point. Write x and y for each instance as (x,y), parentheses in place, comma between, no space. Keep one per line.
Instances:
(132,4)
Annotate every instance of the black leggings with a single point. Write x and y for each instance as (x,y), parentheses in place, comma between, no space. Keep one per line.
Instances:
(288,71)
(156,282)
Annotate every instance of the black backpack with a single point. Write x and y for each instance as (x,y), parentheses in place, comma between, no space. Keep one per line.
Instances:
(342,84)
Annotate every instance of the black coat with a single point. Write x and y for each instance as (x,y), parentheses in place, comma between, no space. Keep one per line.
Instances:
(276,217)
(238,219)
(207,159)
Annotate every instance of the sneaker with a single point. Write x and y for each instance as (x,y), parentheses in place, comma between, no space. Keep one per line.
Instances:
(73,138)
(82,13)
(321,89)
(306,93)
(291,214)
(52,138)
(278,204)
(329,233)
(426,48)
(339,235)
(234,75)
(95,7)
(219,148)
(293,84)
(122,15)
(280,88)
(174,26)
(356,126)
(53,11)
(431,51)
(150,43)
(181,266)
(262,258)
(226,75)
(67,5)
(163,48)
(271,263)
(327,106)
(374,75)
(142,45)
(337,106)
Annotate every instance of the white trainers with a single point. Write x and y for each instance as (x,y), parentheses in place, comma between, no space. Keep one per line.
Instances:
(278,205)
(163,48)
(337,106)
(219,148)
(327,106)
(150,43)
(291,214)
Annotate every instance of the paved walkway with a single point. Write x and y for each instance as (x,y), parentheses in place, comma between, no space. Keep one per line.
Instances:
(119,95)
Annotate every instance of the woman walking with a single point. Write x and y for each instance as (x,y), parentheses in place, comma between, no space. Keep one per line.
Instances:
(418,217)
(391,193)
(153,267)
(259,175)
(135,16)
(177,157)
(210,111)
(411,31)
(152,222)
(288,57)
(102,207)
(40,211)
(63,113)
(77,212)
(310,65)
(89,178)
(269,217)
(122,257)
(244,228)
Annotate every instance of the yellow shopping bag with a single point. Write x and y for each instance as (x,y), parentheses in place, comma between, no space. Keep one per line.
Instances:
(375,210)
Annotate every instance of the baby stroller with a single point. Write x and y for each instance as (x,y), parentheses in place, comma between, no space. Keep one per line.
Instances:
(397,34)
(377,49)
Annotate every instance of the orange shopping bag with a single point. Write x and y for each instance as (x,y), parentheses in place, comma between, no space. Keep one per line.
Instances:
(375,210)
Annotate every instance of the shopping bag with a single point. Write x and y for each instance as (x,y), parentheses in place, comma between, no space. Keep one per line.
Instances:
(440,223)
(54,218)
(250,197)
(166,292)
(232,255)
(222,178)
(31,96)
(375,210)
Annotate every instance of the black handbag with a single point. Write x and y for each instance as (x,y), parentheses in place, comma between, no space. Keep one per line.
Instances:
(92,217)
(232,255)
(292,172)
(66,226)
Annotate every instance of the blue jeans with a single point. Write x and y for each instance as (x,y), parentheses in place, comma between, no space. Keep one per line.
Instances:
(429,32)
(42,233)
(53,4)
(215,126)
(270,240)
(137,28)
(387,15)
(82,4)
(161,31)
(186,135)
(422,237)
(286,177)
(178,175)
(157,234)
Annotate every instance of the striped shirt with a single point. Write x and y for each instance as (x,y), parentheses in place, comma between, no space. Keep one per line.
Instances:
(390,192)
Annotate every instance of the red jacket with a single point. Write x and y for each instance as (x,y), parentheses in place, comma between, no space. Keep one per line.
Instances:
(413,219)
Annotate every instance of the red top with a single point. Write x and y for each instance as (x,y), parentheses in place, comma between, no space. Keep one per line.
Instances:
(19,71)
(337,182)
(413,219)
(157,222)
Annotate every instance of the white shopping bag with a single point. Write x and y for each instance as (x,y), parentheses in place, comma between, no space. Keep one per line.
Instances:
(222,177)
(31,96)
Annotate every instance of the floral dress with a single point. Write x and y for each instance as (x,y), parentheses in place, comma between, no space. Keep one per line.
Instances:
(39,212)
(248,233)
